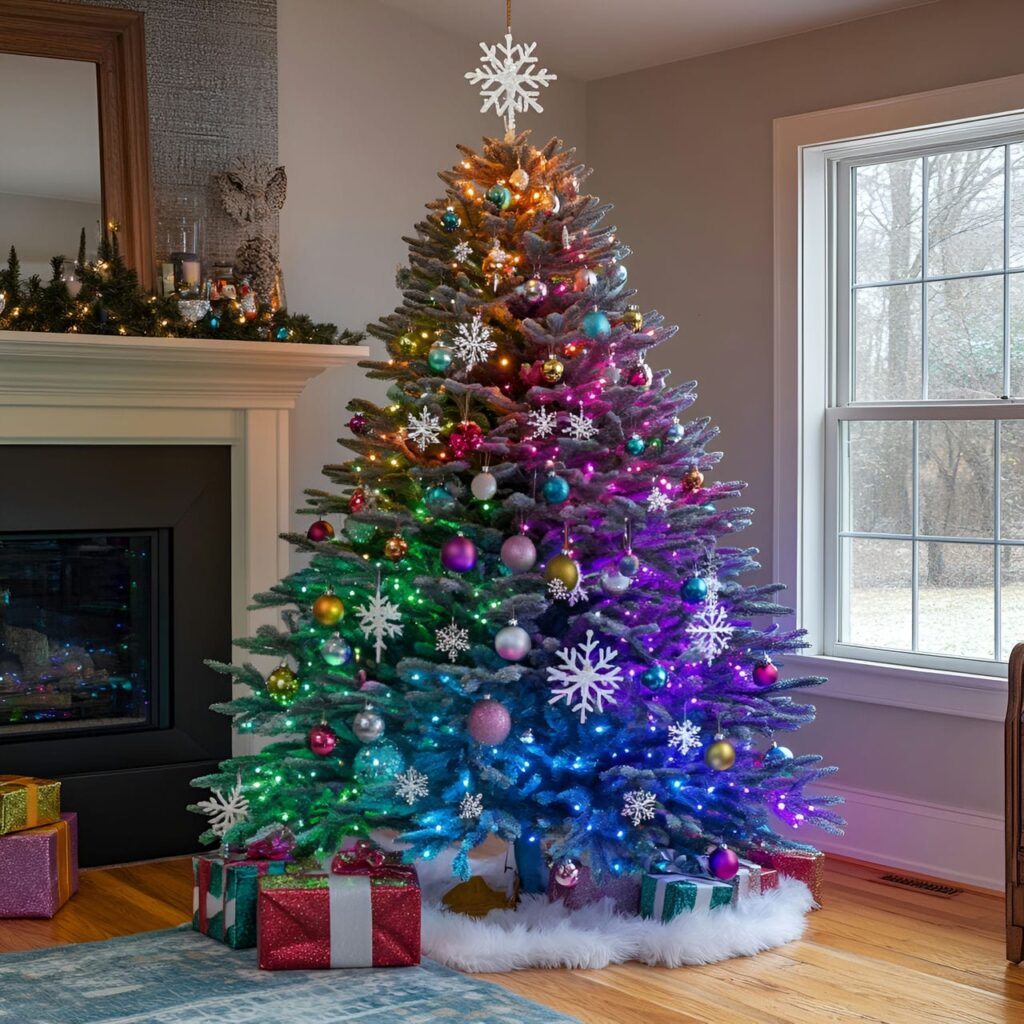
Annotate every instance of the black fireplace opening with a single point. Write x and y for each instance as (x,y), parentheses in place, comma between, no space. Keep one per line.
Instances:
(115,587)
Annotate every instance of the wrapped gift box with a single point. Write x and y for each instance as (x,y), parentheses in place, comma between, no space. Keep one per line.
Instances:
(623,890)
(753,879)
(39,868)
(26,802)
(224,896)
(664,897)
(365,912)
(808,867)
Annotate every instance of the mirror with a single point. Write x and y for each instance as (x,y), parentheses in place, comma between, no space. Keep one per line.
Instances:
(50,185)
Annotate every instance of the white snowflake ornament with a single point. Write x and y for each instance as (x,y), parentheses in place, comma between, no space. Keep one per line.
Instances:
(424,430)
(410,785)
(542,422)
(452,640)
(581,427)
(710,630)
(471,806)
(225,811)
(683,736)
(638,805)
(380,620)
(658,501)
(509,80)
(586,679)
(462,251)
(558,591)
(472,342)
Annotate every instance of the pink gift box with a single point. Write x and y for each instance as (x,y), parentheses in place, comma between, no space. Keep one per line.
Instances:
(39,869)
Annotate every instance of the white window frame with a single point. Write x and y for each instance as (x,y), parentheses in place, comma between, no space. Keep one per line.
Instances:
(808,149)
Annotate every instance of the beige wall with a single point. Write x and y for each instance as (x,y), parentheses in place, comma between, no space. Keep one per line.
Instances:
(372,105)
(685,153)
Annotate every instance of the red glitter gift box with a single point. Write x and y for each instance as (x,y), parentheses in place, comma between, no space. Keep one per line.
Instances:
(364,913)
(808,867)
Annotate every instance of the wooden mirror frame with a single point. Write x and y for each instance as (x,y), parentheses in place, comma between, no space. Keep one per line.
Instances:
(115,41)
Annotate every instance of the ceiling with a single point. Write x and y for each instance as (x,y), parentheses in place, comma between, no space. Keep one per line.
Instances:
(589,39)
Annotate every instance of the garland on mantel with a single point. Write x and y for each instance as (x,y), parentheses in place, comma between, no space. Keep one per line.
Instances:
(111,301)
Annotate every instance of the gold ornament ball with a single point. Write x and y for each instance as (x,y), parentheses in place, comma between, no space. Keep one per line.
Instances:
(693,479)
(519,179)
(552,369)
(563,567)
(396,548)
(328,609)
(721,755)
(282,683)
(633,319)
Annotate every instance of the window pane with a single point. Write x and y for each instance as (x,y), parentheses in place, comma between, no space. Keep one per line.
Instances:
(887,215)
(965,211)
(1016,316)
(887,344)
(877,593)
(956,467)
(956,606)
(965,338)
(1017,205)
(879,476)
(1012,580)
(1011,470)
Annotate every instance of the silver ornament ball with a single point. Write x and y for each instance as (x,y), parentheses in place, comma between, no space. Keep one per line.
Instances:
(368,726)
(484,486)
(512,643)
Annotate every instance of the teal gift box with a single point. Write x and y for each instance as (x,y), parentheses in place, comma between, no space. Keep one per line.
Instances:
(224,896)
(664,897)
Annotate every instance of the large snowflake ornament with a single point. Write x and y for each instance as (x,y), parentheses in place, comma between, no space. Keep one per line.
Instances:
(586,679)
(380,620)
(509,80)
(452,640)
(472,342)
(710,630)
(471,806)
(424,430)
(638,805)
(542,422)
(581,427)
(462,251)
(684,736)
(658,501)
(558,591)
(225,811)
(410,785)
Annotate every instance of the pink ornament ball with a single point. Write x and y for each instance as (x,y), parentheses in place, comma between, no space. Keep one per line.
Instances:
(519,553)
(489,722)
(322,740)
(320,531)
(567,874)
(765,673)
(723,863)
(458,554)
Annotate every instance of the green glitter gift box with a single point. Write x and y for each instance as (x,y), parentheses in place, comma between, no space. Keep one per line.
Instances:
(224,897)
(664,897)
(26,802)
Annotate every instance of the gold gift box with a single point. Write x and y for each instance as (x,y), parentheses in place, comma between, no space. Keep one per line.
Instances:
(26,802)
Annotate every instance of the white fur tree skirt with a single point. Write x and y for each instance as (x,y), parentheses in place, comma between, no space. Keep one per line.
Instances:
(543,934)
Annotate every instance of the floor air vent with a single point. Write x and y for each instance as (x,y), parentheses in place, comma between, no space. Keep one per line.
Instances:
(920,885)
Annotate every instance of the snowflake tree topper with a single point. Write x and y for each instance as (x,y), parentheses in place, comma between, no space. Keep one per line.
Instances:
(510,80)
(227,810)
(585,679)
(380,619)
(472,342)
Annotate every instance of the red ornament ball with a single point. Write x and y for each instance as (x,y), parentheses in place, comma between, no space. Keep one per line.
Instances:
(356,500)
(723,863)
(489,722)
(357,424)
(765,673)
(322,739)
(319,531)
(466,437)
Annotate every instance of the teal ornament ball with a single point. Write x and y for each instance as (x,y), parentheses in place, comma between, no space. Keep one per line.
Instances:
(450,220)
(214,322)
(708,507)
(335,650)
(556,490)
(694,590)
(596,326)
(439,358)
(629,564)
(777,755)
(438,499)
(636,445)
(500,196)
(282,333)
(654,678)
(377,762)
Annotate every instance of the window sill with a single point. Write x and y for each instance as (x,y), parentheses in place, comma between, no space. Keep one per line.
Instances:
(942,693)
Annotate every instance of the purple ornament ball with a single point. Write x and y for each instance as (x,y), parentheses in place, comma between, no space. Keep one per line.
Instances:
(723,863)
(489,722)
(519,553)
(765,673)
(458,554)
(322,740)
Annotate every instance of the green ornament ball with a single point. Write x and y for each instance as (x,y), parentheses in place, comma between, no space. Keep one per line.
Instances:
(450,220)
(655,444)
(439,358)
(500,196)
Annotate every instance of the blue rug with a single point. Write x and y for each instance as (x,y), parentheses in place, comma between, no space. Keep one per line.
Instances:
(181,977)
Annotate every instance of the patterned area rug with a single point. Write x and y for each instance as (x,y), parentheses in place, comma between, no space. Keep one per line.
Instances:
(181,977)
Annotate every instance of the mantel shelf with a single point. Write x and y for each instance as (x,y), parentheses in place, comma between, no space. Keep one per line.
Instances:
(79,369)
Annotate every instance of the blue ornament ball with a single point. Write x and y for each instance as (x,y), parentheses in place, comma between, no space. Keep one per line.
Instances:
(674,433)
(282,333)
(450,220)
(376,762)
(777,755)
(500,196)
(438,499)
(556,490)
(629,564)
(439,358)
(654,678)
(694,590)
(596,326)
(636,445)
(214,322)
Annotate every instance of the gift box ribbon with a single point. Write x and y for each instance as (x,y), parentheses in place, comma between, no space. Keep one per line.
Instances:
(61,830)
(704,890)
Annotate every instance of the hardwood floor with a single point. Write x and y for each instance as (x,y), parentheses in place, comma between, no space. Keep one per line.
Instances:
(874,954)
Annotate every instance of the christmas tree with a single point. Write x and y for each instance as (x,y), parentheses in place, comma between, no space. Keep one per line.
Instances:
(533,623)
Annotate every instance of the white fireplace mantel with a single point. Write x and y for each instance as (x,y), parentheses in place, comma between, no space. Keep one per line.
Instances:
(86,389)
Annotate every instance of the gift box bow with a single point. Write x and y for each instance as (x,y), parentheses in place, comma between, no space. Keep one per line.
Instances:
(372,862)
(276,846)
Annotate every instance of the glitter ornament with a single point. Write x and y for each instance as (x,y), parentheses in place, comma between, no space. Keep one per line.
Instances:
(519,179)
(450,220)
(633,319)
(484,486)
(533,290)
(458,554)
(552,369)
(356,500)
(567,874)
(439,499)
(440,356)
(641,375)
(494,263)
(367,725)
(614,583)
(565,568)
(556,490)
(512,642)
(396,548)
(322,739)
(694,590)
(519,553)
(721,755)
(596,326)
(723,863)
(635,445)
(693,479)
(674,434)
(583,279)
(765,673)
(328,609)
(320,531)
(335,650)
(282,684)
(466,437)
(777,755)
(500,196)
(629,564)
(357,424)
(654,678)
(489,722)
(378,762)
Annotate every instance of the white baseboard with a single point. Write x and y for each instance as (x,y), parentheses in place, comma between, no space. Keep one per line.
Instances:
(915,836)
